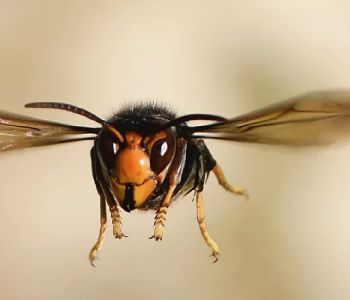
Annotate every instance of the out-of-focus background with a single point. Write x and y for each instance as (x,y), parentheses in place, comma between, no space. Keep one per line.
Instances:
(290,241)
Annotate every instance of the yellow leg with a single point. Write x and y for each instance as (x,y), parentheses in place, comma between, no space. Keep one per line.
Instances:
(102,233)
(116,222)
(223,182)
(160,217)
(203,228)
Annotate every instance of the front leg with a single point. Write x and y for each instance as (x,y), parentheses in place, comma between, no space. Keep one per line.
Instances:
(116,221)
(100,178)
(105,196)
(160,218)
(102,232)
(175,174)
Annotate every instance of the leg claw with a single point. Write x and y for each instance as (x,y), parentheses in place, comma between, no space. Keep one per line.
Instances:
(156,238)
(93,256)
(158,233)
(119,235)
(216,256)
(117,231)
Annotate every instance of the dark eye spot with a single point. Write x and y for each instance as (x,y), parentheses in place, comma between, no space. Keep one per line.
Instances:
(108,149)
(161,154)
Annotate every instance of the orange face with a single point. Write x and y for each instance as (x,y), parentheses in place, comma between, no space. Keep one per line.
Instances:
(140,164)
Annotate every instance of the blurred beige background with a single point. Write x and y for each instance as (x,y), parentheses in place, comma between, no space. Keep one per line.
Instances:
(290,241)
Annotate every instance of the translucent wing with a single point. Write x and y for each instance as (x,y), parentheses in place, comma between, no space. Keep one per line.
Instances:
(316,118)
(17,132)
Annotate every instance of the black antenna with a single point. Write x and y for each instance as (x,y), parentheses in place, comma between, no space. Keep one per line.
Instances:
(67,107)
(79,111)
(194,117)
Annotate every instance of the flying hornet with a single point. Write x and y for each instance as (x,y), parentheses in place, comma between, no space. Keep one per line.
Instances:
(145,156)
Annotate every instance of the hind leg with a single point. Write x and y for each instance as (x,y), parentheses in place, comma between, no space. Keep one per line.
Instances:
(210,164)
(220,176)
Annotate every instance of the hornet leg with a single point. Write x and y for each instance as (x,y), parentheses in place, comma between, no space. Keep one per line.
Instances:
(223,182)
(209,164)
(205,164)
(102,233)
(160,218)
(203,228)
(105,196)
(175,174)
(112,204)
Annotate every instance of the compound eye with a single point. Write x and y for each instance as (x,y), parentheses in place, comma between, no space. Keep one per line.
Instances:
(161,153)
(108,148)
